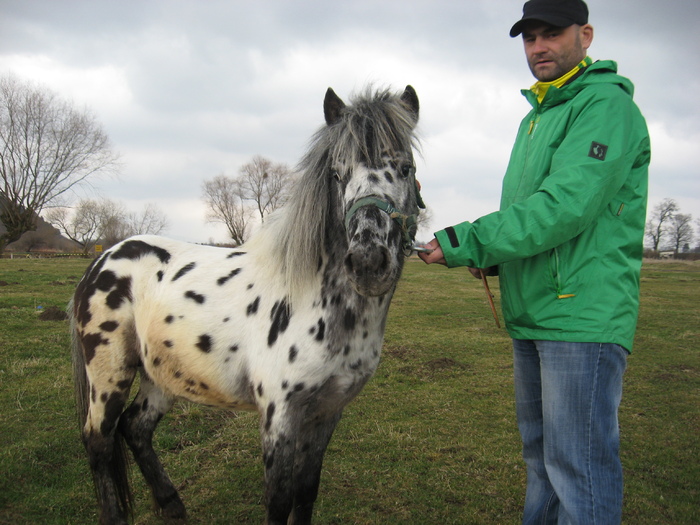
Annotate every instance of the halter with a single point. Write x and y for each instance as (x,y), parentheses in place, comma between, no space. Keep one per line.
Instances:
(407,223)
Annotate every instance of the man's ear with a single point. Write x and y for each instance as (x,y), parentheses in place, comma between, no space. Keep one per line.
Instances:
(586,32)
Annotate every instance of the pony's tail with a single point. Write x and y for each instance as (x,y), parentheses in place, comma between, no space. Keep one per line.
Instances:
(80,380)
(119,463)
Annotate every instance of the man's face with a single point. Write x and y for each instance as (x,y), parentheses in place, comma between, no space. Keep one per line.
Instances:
(553,51)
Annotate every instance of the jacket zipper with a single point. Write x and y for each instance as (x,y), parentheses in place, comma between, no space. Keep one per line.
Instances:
(557,276)
(533,125)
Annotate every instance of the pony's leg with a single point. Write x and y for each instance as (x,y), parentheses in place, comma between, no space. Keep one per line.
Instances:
(137,424)
(108,461)
(312,442)
(278,434)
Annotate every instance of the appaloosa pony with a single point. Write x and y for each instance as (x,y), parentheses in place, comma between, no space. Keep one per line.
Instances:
(289,324)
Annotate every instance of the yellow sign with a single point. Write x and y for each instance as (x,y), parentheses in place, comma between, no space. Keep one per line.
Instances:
(98,247)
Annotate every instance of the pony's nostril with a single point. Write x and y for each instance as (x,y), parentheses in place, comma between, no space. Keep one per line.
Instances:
(348,263)
(384,259)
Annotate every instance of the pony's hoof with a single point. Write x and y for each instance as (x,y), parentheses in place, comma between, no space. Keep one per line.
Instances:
(172,510)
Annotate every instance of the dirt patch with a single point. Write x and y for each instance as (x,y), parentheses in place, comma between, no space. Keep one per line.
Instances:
(53,313)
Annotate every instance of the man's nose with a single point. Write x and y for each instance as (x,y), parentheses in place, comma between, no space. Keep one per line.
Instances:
(539,46)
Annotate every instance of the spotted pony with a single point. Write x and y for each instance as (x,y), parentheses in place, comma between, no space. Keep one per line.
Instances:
(290,324)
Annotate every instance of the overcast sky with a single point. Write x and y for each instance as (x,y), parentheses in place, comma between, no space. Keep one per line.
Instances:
(187,90)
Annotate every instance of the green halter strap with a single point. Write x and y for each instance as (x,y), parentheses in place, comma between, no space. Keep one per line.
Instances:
(406,222)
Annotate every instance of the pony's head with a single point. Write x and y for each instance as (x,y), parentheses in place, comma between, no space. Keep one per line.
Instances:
(356,200)
(372,175)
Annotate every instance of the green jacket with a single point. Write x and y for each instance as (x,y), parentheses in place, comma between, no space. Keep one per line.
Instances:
(568,238)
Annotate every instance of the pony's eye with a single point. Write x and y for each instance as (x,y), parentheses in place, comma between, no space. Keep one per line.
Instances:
(407,170)
(335,174)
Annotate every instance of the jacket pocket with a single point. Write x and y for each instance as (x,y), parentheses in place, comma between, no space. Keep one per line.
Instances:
(555,268)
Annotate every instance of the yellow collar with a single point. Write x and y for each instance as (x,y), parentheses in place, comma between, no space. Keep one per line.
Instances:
(540,88)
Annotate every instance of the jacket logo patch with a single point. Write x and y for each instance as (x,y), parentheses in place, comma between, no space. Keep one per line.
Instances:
(598,151)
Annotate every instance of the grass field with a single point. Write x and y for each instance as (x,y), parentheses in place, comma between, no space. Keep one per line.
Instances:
(431,440)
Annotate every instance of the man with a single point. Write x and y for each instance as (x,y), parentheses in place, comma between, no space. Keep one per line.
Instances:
(567,246)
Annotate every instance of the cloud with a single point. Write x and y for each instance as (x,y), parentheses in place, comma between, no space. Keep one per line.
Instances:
(187,90)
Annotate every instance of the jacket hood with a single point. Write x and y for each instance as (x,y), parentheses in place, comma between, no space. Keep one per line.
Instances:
(600,72)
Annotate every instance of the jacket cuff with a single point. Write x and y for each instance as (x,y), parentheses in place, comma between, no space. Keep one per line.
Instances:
(449,243)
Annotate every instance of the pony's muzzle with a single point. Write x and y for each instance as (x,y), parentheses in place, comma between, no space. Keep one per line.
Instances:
(369,269)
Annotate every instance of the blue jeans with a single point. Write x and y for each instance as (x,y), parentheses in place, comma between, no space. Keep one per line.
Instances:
(567,397)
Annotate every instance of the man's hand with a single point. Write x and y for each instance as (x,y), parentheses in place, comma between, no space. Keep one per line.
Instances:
(476,272)
(436,256)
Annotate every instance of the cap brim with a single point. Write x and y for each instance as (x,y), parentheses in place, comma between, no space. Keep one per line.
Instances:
(547,19)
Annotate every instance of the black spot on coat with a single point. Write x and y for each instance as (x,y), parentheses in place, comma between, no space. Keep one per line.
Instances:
(293,353)
(109,326)
(134,250)
(121,293)
(321,332)
(270,413)
(222,280)
(253,307)
(90,344)
(86,289)
(280,315)
(113,409)
(105,281)
(197,298)
(204,343)
(182,271)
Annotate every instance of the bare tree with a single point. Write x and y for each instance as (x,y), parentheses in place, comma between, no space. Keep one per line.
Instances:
(680,231)
(222,196)
(425,217)
(658,223)
(46,148)
(265,183)
(112,217)
(105,221)
(82,226)
(116,223)
(150,221)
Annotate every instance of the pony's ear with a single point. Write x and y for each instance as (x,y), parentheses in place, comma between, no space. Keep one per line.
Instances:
(410,100)
(332,106)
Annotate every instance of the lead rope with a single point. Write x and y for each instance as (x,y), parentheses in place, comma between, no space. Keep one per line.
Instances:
(490,297)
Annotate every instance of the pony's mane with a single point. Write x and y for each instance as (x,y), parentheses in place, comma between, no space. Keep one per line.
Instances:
(292,238)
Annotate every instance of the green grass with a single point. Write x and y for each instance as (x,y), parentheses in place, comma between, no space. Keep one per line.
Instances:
(431,439)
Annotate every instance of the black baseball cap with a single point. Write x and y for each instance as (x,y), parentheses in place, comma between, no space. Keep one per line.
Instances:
(559,13)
